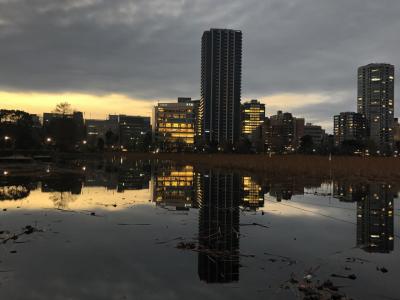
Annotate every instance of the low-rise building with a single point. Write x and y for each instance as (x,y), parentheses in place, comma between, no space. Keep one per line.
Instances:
(315,132)
(97,129)
(284,132)
(132,130)
(66,131)
(253,115)
(174,124)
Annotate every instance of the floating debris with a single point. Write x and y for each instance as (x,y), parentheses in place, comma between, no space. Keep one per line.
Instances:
(310,290)
(356,260)
(133,224)
(27,230)
(186,245)
(282,258)
(254,224)
(382,269)
(351,276)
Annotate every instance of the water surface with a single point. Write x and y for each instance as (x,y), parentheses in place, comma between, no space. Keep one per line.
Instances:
(137,230)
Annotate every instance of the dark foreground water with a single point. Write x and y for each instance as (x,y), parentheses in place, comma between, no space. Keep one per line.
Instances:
(142,231)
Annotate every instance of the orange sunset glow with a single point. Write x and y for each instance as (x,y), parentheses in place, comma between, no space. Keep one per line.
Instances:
(94,106)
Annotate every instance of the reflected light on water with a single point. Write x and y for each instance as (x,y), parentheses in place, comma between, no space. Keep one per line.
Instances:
(91,198)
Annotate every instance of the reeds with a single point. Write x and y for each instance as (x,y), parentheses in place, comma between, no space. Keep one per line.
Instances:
(284,166)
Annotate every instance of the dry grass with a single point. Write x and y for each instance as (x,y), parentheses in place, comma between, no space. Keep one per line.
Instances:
(340,167)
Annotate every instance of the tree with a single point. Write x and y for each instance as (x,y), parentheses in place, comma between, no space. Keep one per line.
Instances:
(111,138)
(211,147)
(244,146)
(225,147)
(16,130)
(397,146)
(180,145)
(100,144)
(63,108)
(348,147)
(65,133)
(371,146)
(62,199)
(306,145)
(145,142)
(14,192)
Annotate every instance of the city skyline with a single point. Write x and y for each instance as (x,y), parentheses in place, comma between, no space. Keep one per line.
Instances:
(249,148)
(297,57)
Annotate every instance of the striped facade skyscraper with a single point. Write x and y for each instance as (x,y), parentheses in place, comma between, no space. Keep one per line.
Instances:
(221,71)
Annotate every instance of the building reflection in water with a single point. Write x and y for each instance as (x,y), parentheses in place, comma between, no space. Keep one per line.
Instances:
(218,196)
(253,194)
(173,187)
(63,190)
(375,219)
(120,175)
(346,192)
(19,188)
(375,226)
(286,190)
(134,176)
(218,259)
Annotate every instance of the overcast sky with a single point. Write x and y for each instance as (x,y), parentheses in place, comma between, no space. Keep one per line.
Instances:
(118,55)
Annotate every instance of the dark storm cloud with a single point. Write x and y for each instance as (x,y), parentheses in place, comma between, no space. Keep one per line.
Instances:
(151,48)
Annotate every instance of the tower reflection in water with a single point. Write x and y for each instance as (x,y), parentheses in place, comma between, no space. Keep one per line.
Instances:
(375,218)
(218,259)
(375,226)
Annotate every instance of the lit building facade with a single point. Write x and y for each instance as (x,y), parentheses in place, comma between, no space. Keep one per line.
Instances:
(174,124)
(349,126)
(253,115)
(376,102)
(221,75)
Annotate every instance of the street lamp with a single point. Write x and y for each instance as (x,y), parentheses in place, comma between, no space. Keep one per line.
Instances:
(7,142)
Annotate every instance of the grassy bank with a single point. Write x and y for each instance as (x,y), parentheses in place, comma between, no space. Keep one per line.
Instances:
(340,167)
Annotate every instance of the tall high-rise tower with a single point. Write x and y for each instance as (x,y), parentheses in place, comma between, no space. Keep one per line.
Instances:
(376,102)
(221,71)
